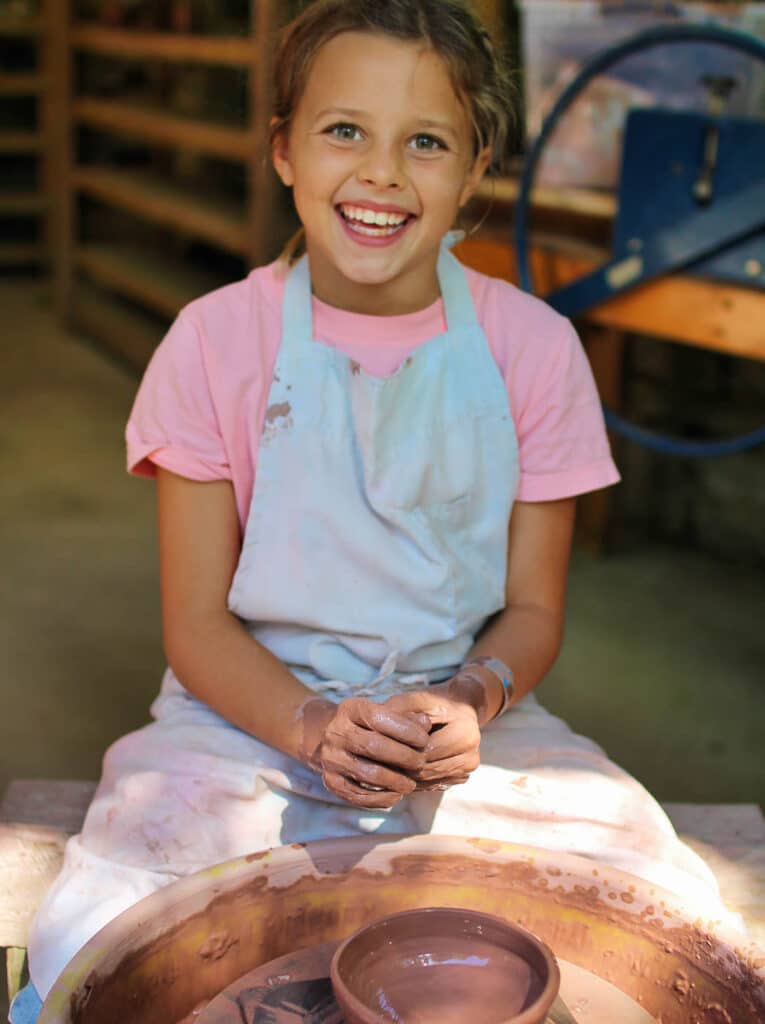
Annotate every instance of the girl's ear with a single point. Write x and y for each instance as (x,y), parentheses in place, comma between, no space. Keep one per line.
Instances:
(475,174)
(280,155)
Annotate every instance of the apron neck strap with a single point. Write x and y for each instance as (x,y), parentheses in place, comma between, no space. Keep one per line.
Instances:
(459,308)
(297,320)
(297,317)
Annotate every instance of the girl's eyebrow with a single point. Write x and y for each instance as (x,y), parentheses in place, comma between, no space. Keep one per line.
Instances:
(344,111)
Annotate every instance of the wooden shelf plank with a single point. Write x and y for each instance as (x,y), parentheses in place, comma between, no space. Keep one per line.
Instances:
(18,203)
(218,221)
(685,309)
(21,85)
(235,51)
(161,284)
(10,26)
(592,203)
(22,254)
(155,126)
(21,142)
(124,331)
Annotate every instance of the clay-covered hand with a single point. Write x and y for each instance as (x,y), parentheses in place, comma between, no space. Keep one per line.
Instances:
(454,709)
(367,753)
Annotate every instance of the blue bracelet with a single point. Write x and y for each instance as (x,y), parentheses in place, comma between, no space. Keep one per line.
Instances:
(505,676)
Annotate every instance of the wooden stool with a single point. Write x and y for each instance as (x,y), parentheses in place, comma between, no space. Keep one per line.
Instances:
(37,816)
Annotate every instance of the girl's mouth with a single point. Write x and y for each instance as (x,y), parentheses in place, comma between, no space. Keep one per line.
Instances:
(371,224)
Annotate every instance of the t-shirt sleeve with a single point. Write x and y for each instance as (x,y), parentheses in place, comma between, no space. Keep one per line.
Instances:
(173,423)
(562,441)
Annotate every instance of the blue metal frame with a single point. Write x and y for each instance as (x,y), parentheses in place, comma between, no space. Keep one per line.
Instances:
(605,59)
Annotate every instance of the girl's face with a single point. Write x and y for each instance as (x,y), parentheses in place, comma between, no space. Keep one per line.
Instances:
(380,157)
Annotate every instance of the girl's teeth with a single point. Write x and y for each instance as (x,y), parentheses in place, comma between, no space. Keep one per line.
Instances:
(380,219)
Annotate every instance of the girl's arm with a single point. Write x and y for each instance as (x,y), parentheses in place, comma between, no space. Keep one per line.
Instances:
(217,660)
(526,635)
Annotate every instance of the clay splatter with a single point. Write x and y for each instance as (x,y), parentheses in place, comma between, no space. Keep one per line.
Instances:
(278,418)
(280,410)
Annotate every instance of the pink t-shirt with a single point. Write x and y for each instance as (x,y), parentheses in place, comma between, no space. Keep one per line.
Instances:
(199,411)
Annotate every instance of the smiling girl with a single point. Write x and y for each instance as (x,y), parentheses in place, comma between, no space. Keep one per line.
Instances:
(367,458)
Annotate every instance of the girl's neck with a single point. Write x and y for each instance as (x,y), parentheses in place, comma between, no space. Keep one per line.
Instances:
(400,296)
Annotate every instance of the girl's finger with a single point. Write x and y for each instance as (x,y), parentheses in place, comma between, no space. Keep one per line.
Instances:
(373,746)
(458,737)
(397,725)
(357,795)
(441,784)
(450,767)
(361,770)
(428,708)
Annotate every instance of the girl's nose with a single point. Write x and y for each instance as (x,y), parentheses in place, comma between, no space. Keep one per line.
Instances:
(382,167)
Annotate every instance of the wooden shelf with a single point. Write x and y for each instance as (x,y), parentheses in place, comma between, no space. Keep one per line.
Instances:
(19,203)
(139,274)
(21,85)
(123,330)
(218,221)
(236,51)
(30,196)
(21,254)
(104,288)
(150,125)
(21,142)
(21,26)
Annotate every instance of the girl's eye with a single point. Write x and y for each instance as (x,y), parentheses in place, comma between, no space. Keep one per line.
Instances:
(427,143)
(346,132)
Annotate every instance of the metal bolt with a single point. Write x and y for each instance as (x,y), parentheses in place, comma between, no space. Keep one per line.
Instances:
(753,268)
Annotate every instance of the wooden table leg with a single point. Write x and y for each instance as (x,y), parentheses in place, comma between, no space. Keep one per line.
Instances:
(605,349)
(15,958)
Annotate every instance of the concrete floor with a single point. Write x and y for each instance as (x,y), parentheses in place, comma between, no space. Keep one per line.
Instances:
(664,661)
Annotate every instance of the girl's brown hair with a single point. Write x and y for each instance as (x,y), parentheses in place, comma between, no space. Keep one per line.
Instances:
(449,27)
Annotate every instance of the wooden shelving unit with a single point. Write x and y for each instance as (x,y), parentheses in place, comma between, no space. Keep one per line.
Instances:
(25,149)
(118,165)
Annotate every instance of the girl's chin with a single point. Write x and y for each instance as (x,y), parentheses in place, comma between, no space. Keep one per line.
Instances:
(370,267)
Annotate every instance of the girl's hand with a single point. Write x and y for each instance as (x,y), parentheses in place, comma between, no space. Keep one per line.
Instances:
(452,752)
(368,754)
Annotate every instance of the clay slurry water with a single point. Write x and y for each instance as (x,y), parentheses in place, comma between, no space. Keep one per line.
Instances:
(442,980)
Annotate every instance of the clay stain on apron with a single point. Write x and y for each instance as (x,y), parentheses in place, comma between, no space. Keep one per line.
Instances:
(278,418)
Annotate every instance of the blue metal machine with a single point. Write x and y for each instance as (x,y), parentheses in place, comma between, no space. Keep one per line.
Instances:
(691,197)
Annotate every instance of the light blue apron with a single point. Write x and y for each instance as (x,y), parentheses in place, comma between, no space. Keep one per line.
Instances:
(376,543)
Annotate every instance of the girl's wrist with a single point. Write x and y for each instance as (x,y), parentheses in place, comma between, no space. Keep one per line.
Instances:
(312,717)
(475,686)
(497,680)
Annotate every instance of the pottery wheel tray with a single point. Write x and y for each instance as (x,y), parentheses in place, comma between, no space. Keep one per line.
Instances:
(250,941)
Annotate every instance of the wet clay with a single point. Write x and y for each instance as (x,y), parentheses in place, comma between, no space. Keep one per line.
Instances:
(445,980)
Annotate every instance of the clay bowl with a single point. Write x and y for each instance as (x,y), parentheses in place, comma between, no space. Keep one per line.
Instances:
(440,965)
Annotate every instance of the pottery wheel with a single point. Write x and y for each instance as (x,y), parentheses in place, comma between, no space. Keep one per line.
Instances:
(296,989)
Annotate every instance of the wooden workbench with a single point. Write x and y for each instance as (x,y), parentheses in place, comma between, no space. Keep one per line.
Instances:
(570,236)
